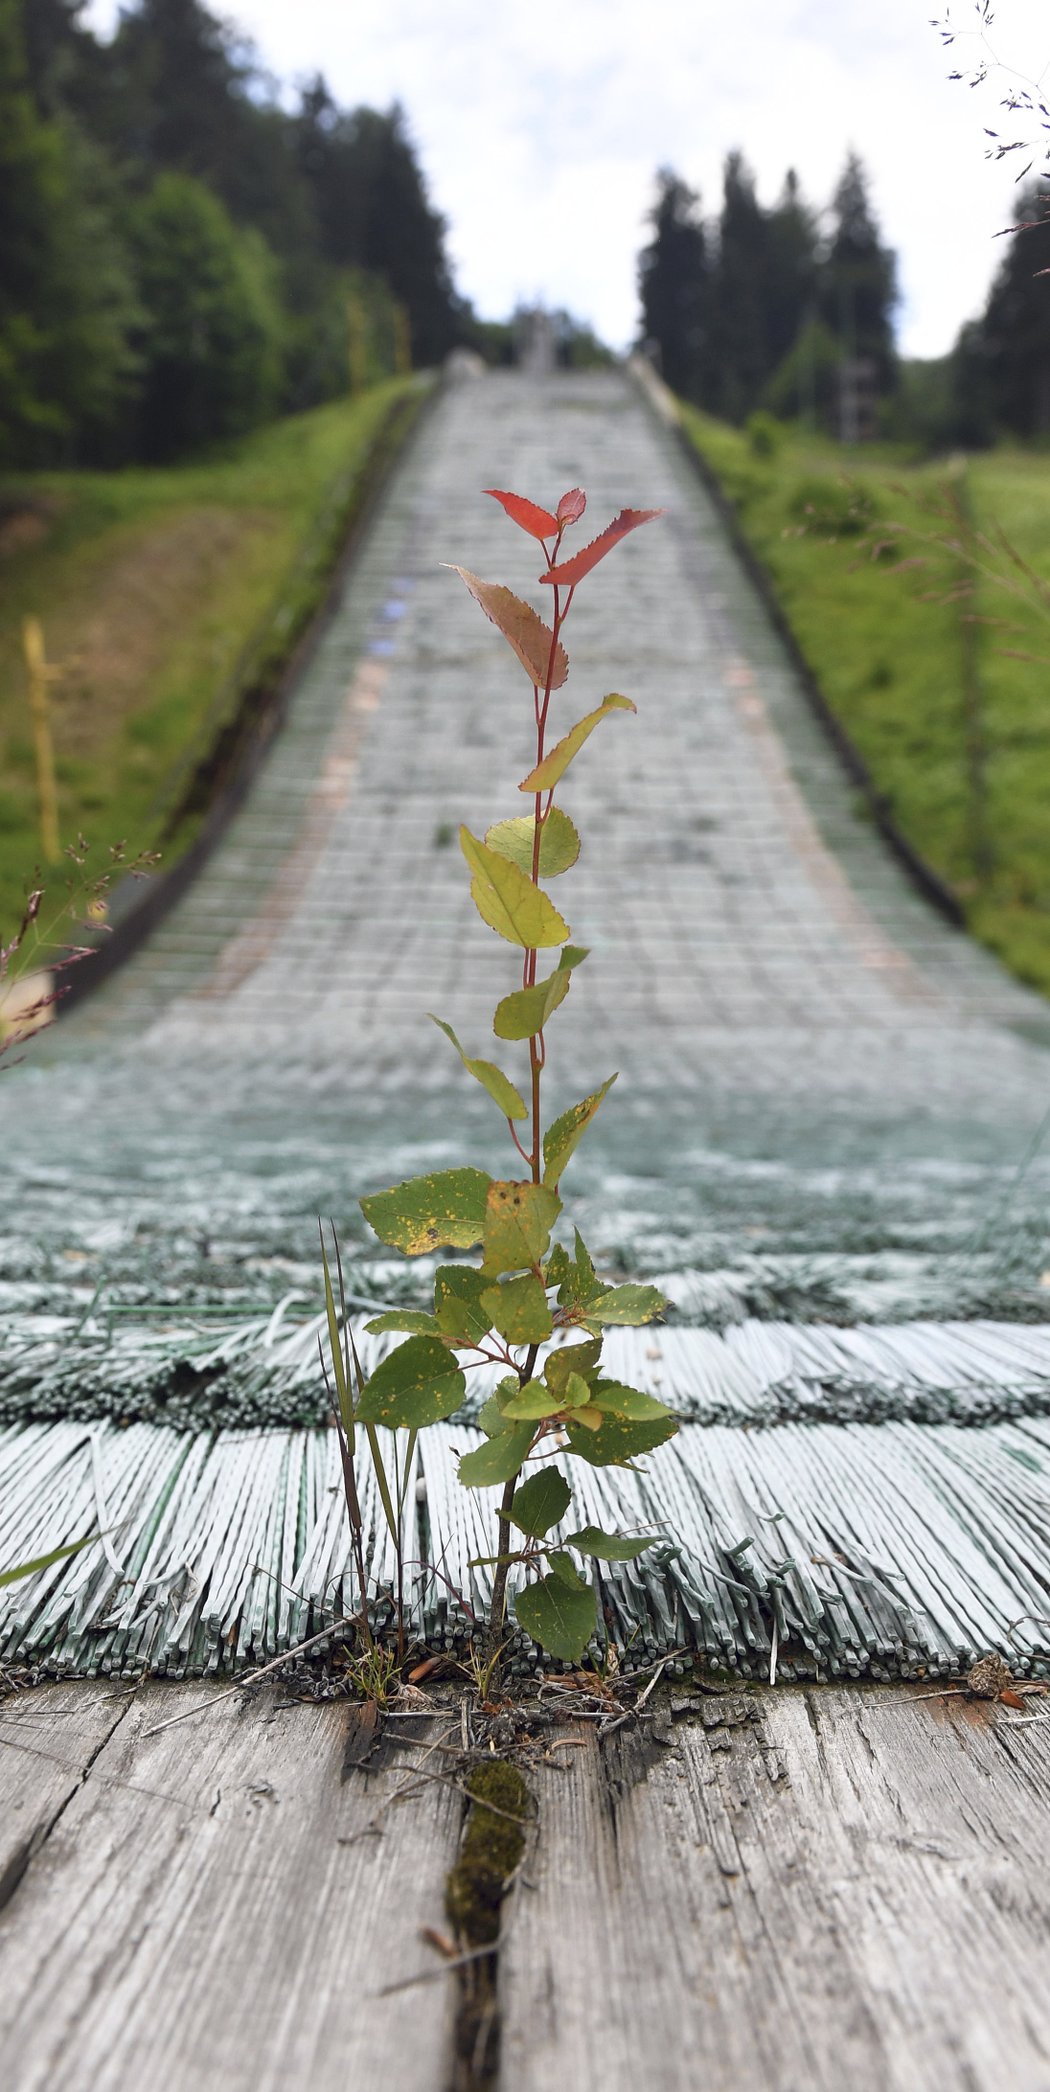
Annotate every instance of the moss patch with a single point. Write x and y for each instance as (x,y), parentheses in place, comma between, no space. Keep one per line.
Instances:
(492,1848)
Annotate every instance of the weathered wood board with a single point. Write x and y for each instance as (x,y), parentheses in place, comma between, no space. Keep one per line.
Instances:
(804,1890)
(767,1892)
(219,1907)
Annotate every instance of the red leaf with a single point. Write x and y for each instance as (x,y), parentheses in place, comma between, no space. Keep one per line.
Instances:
(571,506)
(522,627)
(537,521)
(572,570)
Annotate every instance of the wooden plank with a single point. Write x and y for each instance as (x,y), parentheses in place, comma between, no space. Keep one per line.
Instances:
(219,1906)
(851,1888)
(48,1740)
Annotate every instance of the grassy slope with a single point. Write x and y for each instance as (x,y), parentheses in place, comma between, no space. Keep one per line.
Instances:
(889,656)
(159,591)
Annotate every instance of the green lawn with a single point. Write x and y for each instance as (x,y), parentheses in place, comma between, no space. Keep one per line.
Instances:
(163,594)
(962,756)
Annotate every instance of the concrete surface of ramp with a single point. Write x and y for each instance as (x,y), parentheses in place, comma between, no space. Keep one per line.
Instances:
(825,1140)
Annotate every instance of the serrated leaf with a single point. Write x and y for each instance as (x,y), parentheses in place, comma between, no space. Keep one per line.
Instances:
(457,1302)
(540,1501)
(553,767)
(580,1359)
(571,506)
(570,571)
(573,1276)
(410,1321)
(523,1014)
(508,901)
(518,1309)
(537,521)
(559,842)
(522,628)
(616,1400)
(417,1384)
(617,1441)
(446,1209)
(563,1137)
(518,1221)
(607,1547)
(491,1078)
(498,1459)
(628,1306)
(559,1616)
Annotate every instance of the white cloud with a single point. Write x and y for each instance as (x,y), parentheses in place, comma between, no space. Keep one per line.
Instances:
(539,128)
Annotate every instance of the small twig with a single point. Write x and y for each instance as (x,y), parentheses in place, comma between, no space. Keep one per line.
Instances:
(205,1706)
(434,1975)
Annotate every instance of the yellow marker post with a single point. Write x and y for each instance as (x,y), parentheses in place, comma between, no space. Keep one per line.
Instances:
(39,676)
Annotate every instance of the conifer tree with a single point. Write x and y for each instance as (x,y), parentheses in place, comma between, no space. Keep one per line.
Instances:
(858,287)
(673,285)
(1012,343)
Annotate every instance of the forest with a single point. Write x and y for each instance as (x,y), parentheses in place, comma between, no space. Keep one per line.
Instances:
(181,257)
(764,309)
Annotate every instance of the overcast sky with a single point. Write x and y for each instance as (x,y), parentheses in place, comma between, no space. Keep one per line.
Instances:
(539,127)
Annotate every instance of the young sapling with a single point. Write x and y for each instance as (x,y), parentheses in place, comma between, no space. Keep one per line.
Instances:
(536,1310)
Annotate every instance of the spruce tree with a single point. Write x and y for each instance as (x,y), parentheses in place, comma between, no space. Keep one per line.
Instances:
(858,286)
(673,284)
(741,358)
(1013,339)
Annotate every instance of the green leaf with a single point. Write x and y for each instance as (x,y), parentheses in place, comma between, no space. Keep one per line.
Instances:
(445,1209)
(535,1400)
(608,1547)
(559,842)
(492,1416)
(457,1303)
(412,1320)
(616,1400)
(540,1502)
(562,1138)
(498,1459)
(564,1568)
(627,1305)
(574,1277)
(559,1616)
(523,1014)
(417,1384)
(45,1561)
(577,1393)
(617,1441)
(508,901)
(553,767)
(518,1222)
(499,1086)
(518,1309)
(570,1360)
